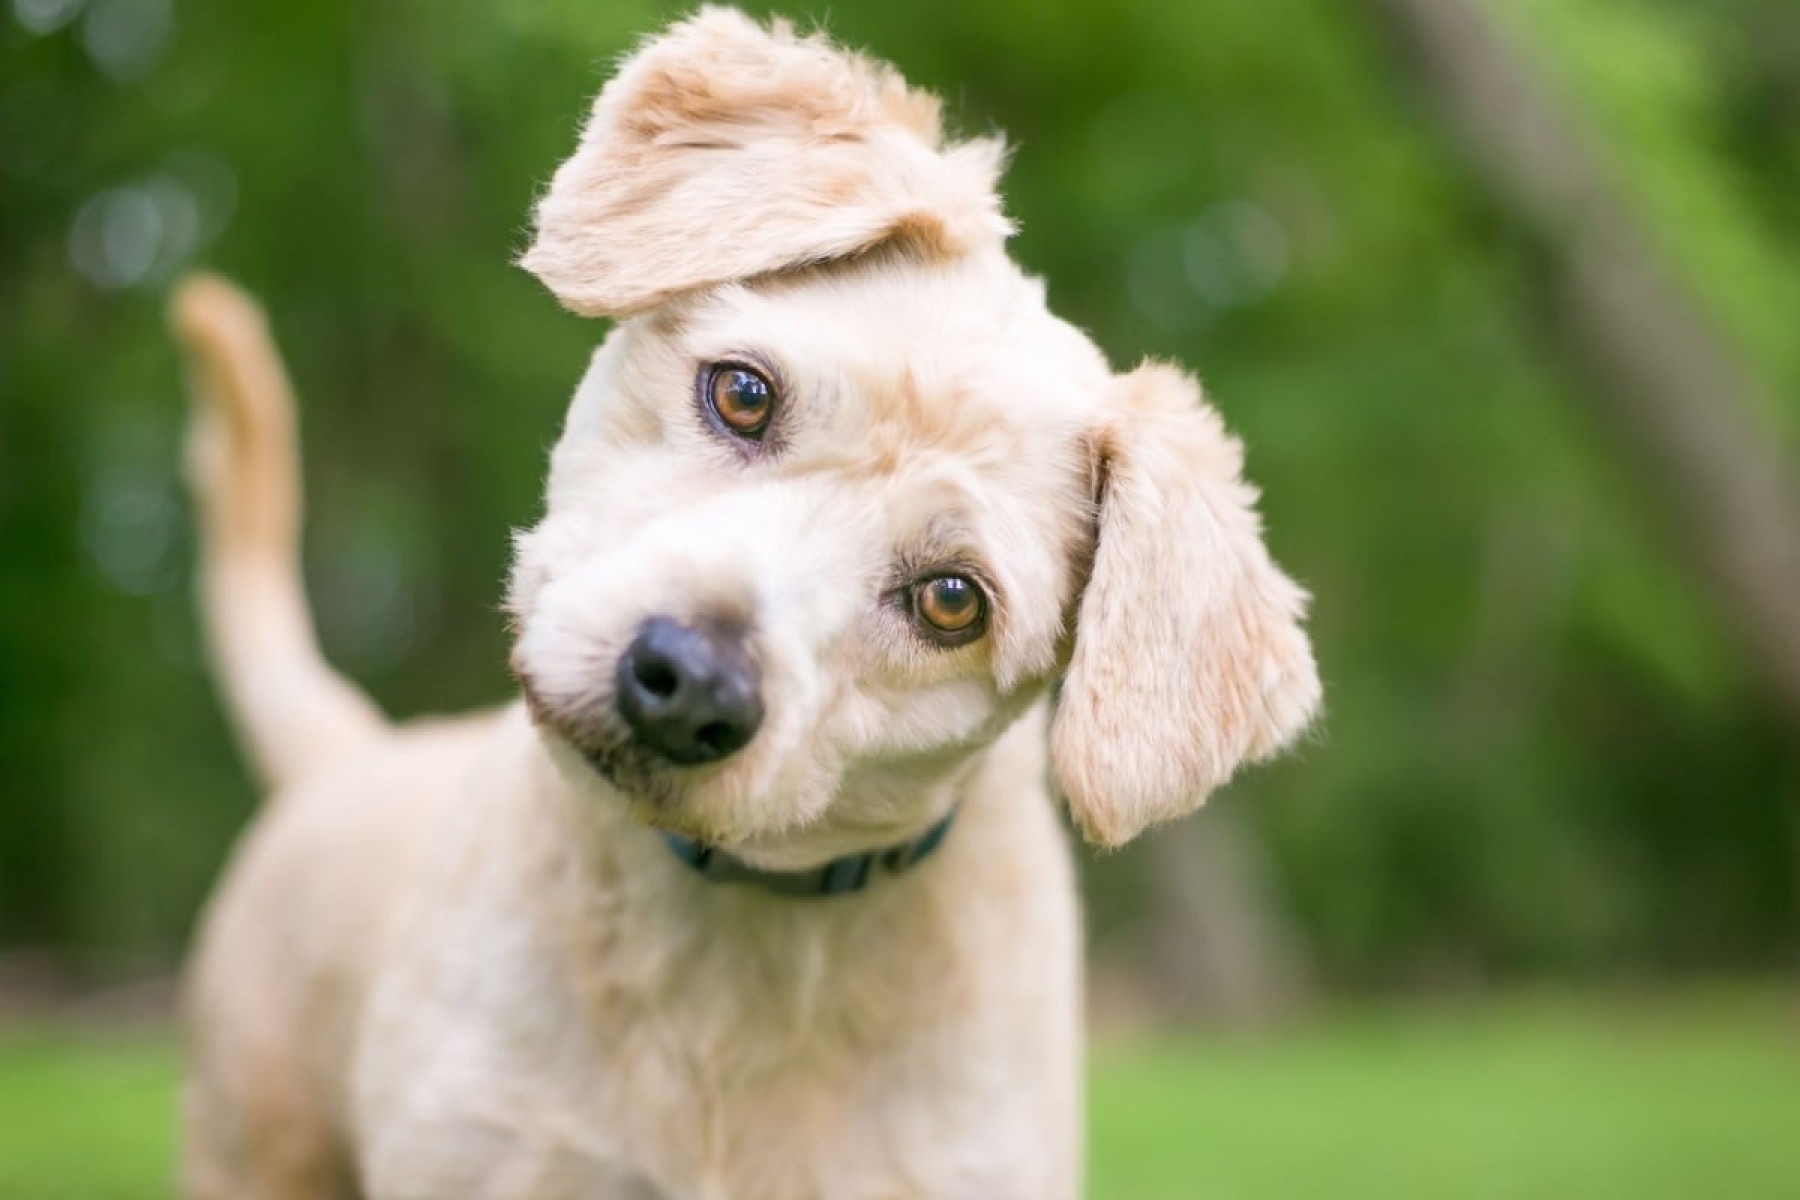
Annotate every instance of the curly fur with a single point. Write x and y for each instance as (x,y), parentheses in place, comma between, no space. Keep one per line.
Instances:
(455,958)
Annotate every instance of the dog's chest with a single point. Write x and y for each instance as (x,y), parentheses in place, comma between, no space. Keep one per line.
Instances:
(574,1047)
(711,1093)
(661,1122)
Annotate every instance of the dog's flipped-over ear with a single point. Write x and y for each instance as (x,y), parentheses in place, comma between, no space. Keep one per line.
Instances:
(722,150)
(1189,657)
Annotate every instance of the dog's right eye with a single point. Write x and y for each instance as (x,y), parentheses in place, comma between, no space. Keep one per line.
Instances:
(741,399)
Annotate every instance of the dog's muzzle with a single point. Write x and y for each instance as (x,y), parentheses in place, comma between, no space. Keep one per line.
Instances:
(689,694)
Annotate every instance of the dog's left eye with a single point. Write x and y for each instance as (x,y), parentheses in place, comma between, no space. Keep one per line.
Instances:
(951,608)
(742,398)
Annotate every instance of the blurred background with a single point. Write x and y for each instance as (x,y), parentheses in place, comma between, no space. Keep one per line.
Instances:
(1504,298)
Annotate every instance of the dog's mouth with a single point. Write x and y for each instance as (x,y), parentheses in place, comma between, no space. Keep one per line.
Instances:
(588,729)
(643,779)
(652,788)
(684,697)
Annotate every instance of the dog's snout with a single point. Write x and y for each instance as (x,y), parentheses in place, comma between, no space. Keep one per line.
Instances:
(690,694)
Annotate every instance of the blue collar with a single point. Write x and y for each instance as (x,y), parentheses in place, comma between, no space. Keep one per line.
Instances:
(838,877)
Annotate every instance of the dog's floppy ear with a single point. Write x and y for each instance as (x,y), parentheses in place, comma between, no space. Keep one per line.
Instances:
(722,150)
(1189,658)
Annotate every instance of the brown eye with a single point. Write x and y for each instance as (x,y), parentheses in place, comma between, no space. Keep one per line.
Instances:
(742,399)
(951,607)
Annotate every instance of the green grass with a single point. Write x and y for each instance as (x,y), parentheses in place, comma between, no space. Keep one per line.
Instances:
(1547,1101)
(87,1119)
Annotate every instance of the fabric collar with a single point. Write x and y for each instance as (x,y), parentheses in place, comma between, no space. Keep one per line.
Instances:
(839,877)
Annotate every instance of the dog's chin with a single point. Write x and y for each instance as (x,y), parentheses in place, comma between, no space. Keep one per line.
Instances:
(656,795)
(651,792)
(621,778)
(606,770)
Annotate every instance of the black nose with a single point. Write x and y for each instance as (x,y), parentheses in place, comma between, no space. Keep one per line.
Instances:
(691,695)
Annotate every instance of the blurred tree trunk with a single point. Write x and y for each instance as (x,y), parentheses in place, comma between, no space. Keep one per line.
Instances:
(1658,373)
(1223,951)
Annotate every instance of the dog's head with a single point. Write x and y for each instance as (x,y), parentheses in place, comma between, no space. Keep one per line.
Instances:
(839,498)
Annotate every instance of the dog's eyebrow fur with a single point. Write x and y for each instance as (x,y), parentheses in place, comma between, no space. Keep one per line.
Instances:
(949,545)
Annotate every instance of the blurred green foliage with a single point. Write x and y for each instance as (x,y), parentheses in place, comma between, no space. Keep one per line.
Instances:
(1545,750)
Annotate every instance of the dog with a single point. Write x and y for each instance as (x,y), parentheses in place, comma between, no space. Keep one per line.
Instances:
(759,891)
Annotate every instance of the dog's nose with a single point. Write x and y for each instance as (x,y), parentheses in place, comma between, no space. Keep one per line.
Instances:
(691,695)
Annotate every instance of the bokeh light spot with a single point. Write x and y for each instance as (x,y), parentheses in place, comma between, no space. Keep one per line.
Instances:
(45,16)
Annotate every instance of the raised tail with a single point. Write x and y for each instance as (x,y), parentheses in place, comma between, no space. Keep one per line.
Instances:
(291,710)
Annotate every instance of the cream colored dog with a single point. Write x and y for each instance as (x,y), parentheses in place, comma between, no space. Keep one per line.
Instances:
(836,504)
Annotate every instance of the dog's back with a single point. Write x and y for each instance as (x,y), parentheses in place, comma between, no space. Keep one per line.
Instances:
(275,991)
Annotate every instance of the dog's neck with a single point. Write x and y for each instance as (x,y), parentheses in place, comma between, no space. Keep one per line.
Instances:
(629,919)
(839,877)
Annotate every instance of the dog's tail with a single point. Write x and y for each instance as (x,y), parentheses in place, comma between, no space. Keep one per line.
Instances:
(290,708)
